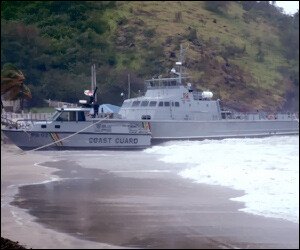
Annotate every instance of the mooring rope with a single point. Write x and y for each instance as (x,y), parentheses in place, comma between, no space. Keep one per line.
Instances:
(67,136)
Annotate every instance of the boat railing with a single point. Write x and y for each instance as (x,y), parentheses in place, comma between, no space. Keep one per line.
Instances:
(157,83)
(21,123)
(260,116)
(30,115)
(8,122)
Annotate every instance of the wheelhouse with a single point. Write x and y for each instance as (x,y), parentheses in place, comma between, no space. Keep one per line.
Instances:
(70,115)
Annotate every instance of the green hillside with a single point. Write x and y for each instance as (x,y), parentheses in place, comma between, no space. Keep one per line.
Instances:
(247,53)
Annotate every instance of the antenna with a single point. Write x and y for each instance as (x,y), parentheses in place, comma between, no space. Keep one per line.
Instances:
(181,62)
(94,81)
(128,86)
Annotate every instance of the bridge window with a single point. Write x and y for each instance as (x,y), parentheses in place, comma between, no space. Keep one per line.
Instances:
(144,103)
(126,104)
(67,116)
(176,104)
(160,104)
(167,104)
(152,104)
(136,103)
(146,117)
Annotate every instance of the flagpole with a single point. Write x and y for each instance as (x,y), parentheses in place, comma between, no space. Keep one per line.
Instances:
(95,82)
(128,86)
(92,79)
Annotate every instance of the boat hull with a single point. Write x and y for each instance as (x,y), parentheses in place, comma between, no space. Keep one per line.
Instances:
(159,131)
(177,130)
(91,141)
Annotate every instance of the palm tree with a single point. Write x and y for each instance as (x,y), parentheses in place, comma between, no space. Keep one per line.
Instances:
(12,85)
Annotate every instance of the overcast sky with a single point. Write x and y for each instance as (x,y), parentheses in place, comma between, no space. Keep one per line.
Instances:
(290,7)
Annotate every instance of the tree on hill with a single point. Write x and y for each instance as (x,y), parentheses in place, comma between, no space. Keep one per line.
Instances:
(217,6)
(12,84)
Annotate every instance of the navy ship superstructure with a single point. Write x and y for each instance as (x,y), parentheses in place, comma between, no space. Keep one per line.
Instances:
(168,99)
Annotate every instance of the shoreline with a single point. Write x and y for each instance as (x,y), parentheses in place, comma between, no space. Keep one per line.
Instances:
(16,224)
(158,199)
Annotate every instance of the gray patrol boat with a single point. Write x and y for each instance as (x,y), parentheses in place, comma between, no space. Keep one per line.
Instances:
(77,129)
(169,110)
(175,111)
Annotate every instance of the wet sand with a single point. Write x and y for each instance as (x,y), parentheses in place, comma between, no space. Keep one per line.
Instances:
(17,224)
(125,199)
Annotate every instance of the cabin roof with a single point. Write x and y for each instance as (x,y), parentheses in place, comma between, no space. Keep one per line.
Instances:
(109,108)
(106,107)
(73,109)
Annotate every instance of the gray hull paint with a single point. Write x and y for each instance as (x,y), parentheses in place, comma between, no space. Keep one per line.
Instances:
(160,131)
(166,130)
(32,140)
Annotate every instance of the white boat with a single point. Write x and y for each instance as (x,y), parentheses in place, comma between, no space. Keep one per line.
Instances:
(74,128)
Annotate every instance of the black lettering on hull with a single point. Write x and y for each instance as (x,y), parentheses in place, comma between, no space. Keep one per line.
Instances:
(126,140)
(108,140)
(96,140)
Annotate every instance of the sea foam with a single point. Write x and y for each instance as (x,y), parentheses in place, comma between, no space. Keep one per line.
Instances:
(267,169)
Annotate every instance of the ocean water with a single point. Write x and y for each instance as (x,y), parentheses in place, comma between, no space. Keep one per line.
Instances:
(267,169)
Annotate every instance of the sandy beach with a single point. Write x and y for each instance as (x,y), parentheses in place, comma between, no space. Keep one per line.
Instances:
(19,169)
(123,200)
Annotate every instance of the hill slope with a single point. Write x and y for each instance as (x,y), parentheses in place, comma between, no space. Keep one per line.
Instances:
(238,51)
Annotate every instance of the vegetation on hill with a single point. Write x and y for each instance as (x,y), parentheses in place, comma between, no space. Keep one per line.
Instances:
(246,52)
(12,84)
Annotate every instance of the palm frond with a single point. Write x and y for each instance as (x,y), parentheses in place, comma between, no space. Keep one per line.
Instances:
(12,83)
(16,93)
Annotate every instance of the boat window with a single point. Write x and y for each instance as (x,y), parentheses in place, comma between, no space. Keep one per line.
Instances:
(81,116)
(72,116)
(176,104)
(144,103)
(56,114)
(167,104)
(125,104)
(160,104)
(136,103)
(152,104)
(146,117)
(64,117)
